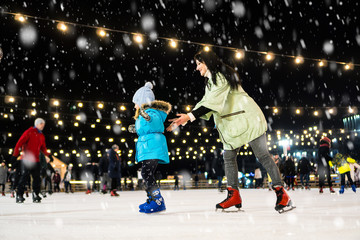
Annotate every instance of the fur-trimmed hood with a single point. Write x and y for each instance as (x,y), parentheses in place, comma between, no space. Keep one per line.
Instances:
(157,104)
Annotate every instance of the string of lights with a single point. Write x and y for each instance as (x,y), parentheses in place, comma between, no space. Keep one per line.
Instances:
(79,104)
(173,43)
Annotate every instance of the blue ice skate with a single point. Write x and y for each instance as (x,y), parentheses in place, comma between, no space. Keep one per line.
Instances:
(342,189)
(156,203)
(142,206)
(353,187)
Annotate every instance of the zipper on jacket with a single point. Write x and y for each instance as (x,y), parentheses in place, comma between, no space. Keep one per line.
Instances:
(232,114)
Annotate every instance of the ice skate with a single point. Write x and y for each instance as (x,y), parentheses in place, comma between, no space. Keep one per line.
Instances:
(142,206)
(114,193)
(12,194)
(283,202)
(88,192)
(156,203)
(332,190)
(342,189)
(321,190)
(3,193)
(233,199)
(353,187)
(19,198)
(36,198)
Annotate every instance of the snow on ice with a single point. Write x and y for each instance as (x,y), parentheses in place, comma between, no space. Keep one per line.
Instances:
(190,214)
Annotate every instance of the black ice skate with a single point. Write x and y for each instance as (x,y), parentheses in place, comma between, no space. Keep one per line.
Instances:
(36,198)
(283,202)
(19,199)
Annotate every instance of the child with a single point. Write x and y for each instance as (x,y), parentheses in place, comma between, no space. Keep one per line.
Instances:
(341,162)
(151,147)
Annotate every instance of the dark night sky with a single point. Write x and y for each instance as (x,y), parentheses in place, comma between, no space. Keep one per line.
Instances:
(111,69)
(54,66)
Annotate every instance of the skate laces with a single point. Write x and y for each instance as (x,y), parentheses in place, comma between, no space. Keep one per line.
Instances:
(279,193)
(230,194)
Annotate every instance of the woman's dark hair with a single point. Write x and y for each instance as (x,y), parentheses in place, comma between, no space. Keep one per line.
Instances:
(215,65)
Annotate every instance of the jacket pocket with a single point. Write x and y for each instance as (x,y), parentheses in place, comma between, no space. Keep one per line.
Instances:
(234,126)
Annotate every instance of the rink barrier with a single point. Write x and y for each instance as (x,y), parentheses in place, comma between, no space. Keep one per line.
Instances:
(132,184)
(203,184)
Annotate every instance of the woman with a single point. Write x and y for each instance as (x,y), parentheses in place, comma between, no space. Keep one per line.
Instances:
(239,121)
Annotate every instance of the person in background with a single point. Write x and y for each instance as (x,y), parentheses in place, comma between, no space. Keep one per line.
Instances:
(354,169)
(258,176)
(95,173)
(103,172)
(357,176)
(88,176)
(323,164)
(341,162)
(304,169)
(14,179)
(114,169)
(289,172)
(176,186)
(196,179)
(3,176)
(31,142)
(56,179)
(67,179)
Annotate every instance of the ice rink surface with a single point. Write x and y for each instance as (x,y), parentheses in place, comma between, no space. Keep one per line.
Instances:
(190,214)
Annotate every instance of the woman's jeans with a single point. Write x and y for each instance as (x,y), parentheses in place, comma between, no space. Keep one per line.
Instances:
(259,147)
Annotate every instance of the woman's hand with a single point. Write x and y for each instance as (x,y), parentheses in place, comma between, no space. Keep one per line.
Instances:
(175,122)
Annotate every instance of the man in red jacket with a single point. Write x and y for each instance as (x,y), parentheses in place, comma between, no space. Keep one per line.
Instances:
(31,142)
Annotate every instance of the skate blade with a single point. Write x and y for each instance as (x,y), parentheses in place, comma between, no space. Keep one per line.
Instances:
(288,208)
(155,213)
(284,210)
(227,210)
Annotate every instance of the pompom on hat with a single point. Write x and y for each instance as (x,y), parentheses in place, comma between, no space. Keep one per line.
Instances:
(144,95)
